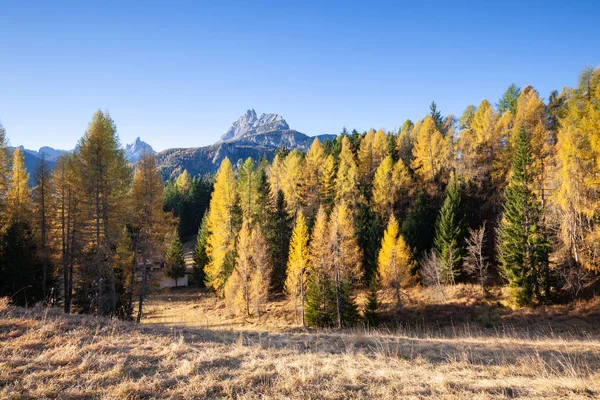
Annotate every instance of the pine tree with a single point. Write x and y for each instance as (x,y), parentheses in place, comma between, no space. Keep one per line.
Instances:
(436,117)
(19,194)
(394,258)
(508,102)
(220,247)
(371,307)
(200,257)
(175,259)
(20,266)
(521,248)
(449,233)
(295,283)
(277,233)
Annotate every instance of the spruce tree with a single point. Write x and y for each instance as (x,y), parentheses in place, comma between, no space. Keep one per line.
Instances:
(278,233)
(449,232)
(521,246)
(200,257)
(174,259)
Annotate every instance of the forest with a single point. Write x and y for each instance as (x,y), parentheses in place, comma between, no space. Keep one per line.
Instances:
(507,194)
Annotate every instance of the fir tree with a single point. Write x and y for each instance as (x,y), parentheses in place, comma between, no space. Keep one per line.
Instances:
(200,257)
(449,233)
(508,102)
(521,246)
(175,259)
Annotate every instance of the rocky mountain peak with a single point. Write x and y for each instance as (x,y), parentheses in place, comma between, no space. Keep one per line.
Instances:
(249,124)
(135,150)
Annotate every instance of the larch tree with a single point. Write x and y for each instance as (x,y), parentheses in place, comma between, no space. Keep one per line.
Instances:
(405,142)
(151,225)
(184,181)
(393,262)
(390,180)
(4,172)
(327,184)
(105,178)
(346,188)
(41,198)
(295,283)
(220,247)
(522,249)
(292,182)
(346,261)
(19,194)
(320,304)
(314,163)
(247,187)
(430,152)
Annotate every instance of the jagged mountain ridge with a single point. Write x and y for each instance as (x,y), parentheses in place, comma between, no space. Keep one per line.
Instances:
(135,150)
(249,136)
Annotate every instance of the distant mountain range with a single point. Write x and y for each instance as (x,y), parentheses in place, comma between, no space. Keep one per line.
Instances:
(249,136)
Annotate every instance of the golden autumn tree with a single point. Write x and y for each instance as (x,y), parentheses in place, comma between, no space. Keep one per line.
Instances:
(295,284)
(247,188)
(346,259)
(431,152)
(577,198)
(327,185)
(150,223)
(183,181)
(292,181)
(315,162)
(19,195)
(4,170)
(390,179)
(275,174)
(393,262)
(104,179)
(246,289)
(220,246)
(346,189)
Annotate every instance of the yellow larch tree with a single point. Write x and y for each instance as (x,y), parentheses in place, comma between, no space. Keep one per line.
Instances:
(393,262)
(345,254)
(327,185)
(346,188)
(431,152)
(292,181)
(275,174)
(19,194)
(313,177)
(247,188)
(221,240)
(390,179)
(183,181)
(371,152)
(297,265)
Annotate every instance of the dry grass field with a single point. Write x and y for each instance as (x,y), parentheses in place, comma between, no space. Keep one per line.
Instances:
(46,354)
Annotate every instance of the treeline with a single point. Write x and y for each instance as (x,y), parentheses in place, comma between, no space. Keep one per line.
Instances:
(88,233)
(506,193)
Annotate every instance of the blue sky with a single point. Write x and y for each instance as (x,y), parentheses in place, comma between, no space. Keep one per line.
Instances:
(178,73)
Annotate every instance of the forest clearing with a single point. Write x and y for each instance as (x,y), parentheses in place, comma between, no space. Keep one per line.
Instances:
(42,349)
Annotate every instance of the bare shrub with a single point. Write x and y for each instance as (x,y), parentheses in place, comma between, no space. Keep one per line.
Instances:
(476,263)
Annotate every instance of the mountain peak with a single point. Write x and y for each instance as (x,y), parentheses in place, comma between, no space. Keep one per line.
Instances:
(249,124)
(135,150)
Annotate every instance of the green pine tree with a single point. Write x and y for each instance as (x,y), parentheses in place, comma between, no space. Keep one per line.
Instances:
(278,234)
(175,261)
(200,257)
(371,316)
(523,250)
(449,232)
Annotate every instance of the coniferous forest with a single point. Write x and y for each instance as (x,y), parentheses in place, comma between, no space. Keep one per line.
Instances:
(505,195)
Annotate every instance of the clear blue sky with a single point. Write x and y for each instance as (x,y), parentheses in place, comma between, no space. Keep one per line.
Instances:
(178,73)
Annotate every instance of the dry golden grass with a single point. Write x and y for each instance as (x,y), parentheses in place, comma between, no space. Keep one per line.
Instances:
(46,354)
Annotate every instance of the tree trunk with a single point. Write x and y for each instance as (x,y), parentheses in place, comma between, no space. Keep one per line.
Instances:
(142,289)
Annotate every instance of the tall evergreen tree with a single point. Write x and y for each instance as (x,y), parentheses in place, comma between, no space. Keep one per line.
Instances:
(278,233)
(449,232)
(521,246)
(508,102)
(200,257)
(175,259)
